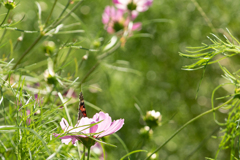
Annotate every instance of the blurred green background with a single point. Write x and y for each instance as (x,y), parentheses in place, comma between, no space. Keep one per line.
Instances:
(151,74)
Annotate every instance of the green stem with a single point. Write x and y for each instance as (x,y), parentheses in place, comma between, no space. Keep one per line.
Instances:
(121,141)
(104,55)
(104,155)
(54,4)
(25,53)
(69,1)
(61,20)
(83,155)
(15,45)
(209,23)
(101,57)
(79,65)
(4,32)
(88,155)
(78,148)
(186,124)
(59,15)
(5,17)
(65,59)
(88,74)
(49,95)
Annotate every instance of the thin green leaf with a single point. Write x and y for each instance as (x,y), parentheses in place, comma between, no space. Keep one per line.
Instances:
(4,128)
(136,151)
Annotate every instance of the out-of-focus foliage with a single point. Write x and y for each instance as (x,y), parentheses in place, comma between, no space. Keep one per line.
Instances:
(144,74)
(210,54)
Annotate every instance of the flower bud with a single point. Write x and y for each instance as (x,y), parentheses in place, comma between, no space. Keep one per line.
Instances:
(37,112)
(96,43)
(20,38)
(131,6)
(87,142)
(85,57)
(153,157)
(118,26)
(97,149)
(49,47)
(9,4)
(50,78)
(146,132)
(237,93)
(153,118)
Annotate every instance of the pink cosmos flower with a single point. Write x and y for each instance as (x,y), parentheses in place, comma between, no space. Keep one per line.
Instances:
(114,20)
(133,5)
(105,126)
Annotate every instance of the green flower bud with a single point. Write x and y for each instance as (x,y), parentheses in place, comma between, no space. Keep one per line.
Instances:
(118,26)
(131,6)
(146,132)
(49,47)
(96,43)
(50,78)
(153,118)
(9,4)
(87,142)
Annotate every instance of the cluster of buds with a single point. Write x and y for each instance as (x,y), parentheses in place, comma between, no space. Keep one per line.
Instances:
(119,19)
(152,119)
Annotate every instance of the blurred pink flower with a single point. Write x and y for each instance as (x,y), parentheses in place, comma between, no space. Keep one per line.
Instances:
(104,127)
(97,149)
(38,99)
(133,5)
(70,93)
(28,120)
(114,20)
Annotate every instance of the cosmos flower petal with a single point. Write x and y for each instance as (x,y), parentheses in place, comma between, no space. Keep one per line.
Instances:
(83,125)
(74,140)
(64,124)
(94,128)
(134,14)
(141,5)
(106,121)
(66,139)
(96,116)
(115,126)
(106,15)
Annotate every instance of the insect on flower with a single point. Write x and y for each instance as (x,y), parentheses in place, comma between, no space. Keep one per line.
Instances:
(82,110)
